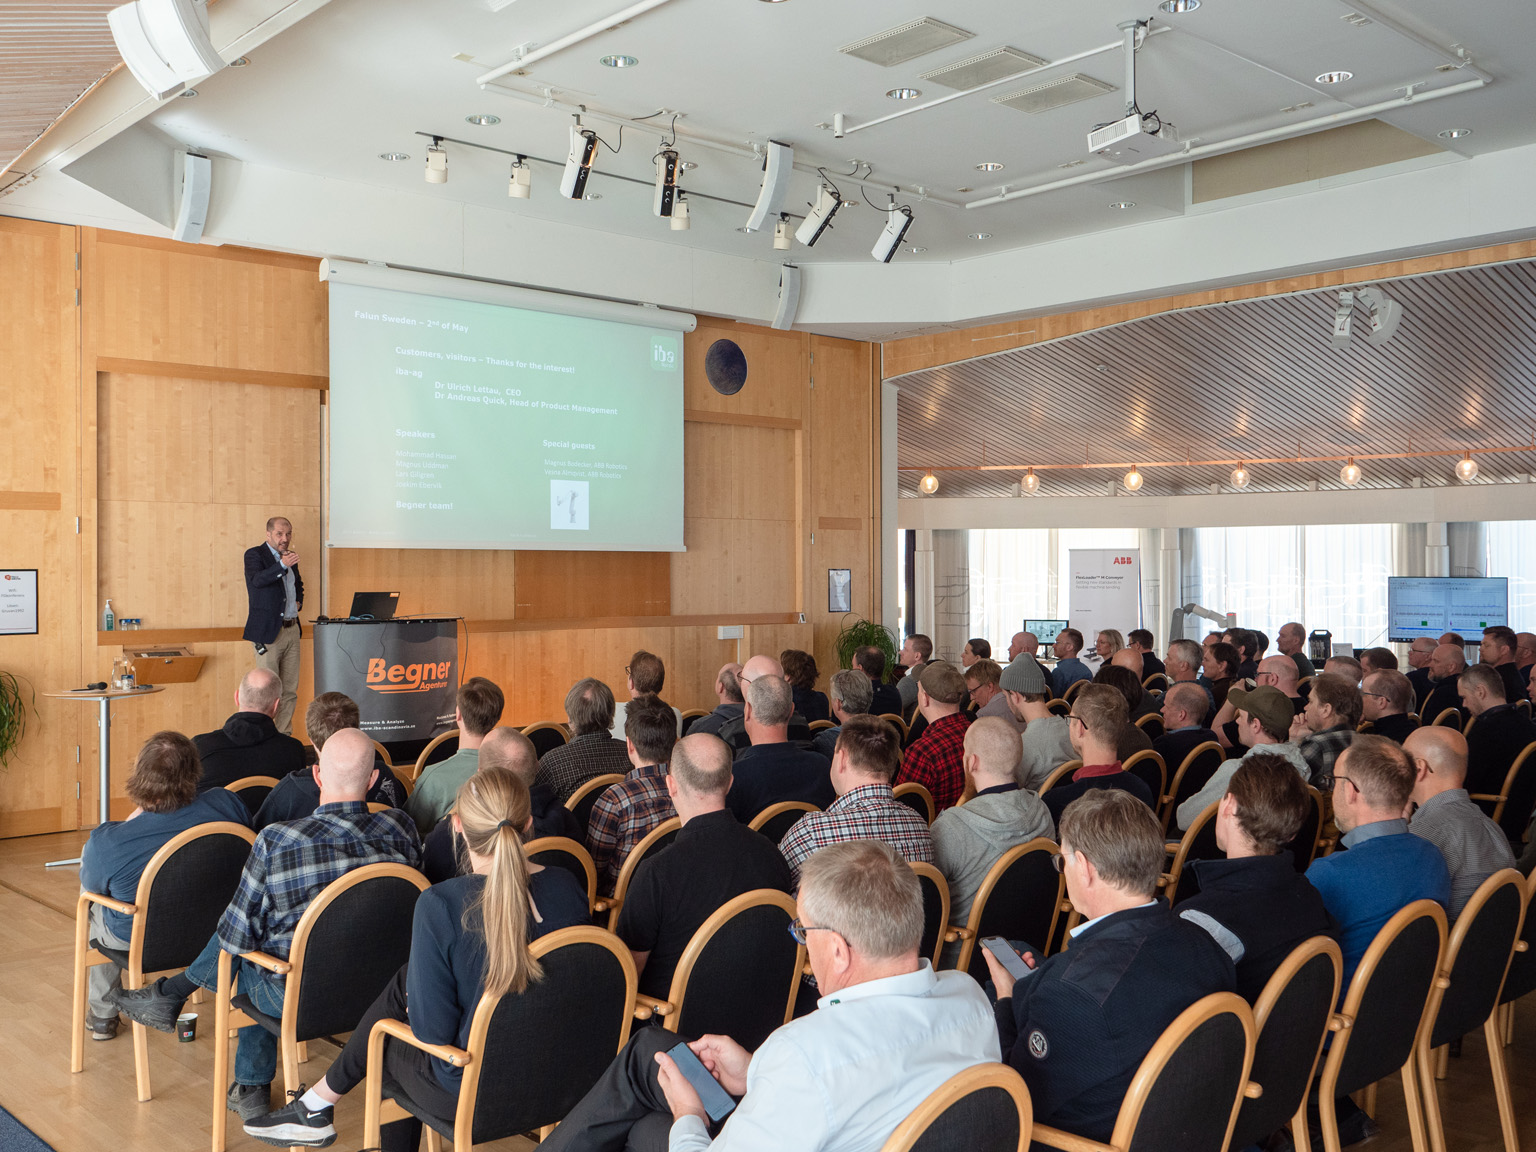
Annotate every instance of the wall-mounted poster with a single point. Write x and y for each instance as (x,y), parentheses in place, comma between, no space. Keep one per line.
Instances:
(18,601)
(839,590)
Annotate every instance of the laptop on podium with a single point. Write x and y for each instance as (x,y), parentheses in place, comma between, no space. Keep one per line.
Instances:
(374,605)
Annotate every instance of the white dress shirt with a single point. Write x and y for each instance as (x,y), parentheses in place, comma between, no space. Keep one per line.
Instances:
(842,1078)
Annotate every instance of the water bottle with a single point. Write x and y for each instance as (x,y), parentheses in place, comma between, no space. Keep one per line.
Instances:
(107,619)
(130,675)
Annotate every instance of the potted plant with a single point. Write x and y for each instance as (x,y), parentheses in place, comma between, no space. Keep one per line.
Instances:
(859,633)
(16,700)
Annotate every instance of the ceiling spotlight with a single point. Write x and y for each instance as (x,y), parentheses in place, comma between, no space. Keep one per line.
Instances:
(904,93)
(1133,479)
(578,162)
(781,234)
(1029,483)
(1179,7)
(1350,473)
(980,236)
(1343,318)
(1382,313)
(187,93)
(1240,477)
(1123,204)
(897,221)
(680,221)
(1454,133)
(394,157)
(239,61)
(666,182)
(989,166)
(916,248)
(437,162)
(520,185)
(618,61)
(593,196)
(819,218)
(689,165)
(483,120)
(1466,468)
(929,484)
(1335,77)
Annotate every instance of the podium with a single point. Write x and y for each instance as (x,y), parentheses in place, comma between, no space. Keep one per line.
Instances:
(403,674)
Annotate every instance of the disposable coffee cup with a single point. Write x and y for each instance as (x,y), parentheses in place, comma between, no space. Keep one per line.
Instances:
(186,1027)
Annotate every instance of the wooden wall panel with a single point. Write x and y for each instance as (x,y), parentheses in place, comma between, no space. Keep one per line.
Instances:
(474,583)
(567,585)
(777,370)
(735,566)
(738,472)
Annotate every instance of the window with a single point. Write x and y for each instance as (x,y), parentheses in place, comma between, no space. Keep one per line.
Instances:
(1018,574)
(1512,553)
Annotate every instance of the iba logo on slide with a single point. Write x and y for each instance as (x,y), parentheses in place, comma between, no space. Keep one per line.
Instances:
(664,353)
(386,677)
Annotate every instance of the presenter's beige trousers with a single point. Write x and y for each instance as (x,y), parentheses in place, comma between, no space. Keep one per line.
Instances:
(282,657)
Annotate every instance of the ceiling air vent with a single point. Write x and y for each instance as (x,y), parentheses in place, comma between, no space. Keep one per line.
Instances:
(1054,93)
(983,69)
(907,42)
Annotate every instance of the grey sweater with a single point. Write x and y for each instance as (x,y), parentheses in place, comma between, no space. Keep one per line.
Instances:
(969,839)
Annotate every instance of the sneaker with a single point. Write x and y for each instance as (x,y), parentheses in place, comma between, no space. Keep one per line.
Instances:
(249,1101)
(99,1029)
(152,1006)
(294,1125)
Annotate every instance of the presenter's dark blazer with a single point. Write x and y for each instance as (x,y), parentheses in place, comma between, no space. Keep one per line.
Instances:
(264,584)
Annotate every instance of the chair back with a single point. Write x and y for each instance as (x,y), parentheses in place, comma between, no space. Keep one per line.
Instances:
(563,852)
(1191,776)
(1073,689)
(1156,680)
(915,797)
(1148,767)
(822,725)
(651,843)
(1477,958)
(434,751)
(1524,707)
(546,736)
(1019,899)
(253,791)
(383,754)
(1522,969)
(1291,1018)
(1058,707)
(1199,843)
(1185,1094)
(901,725)
(183,891)
(740,973)
(935,910)
(776,820)
(352,939)
(1151,724)
(1511,808)
(688,716)
(1387,1001)
(1058,774)
(581,801)
(1449,718)
(1303,846)
(552,1041)
(985,1108)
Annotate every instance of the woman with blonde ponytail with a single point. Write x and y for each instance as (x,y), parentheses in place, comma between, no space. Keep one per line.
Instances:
(470,936)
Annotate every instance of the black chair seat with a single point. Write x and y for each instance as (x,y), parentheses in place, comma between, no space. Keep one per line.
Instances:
(118,958)
(393,1091)
(273,1024)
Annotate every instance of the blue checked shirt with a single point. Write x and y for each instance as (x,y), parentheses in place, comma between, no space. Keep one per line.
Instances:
(292,862)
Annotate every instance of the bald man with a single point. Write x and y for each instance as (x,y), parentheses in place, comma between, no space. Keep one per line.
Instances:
(734,731)
(1185,707)
(731,702)
(1525,655)
(1474,846)
(249,743)
(1418,673)
(1291,641)
(289,865)
(1446,664)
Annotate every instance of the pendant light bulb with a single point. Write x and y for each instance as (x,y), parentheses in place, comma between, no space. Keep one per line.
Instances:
(1466,468)
(1240,477)
(1133,479)
(1030,483)
(929,484)
(1350,473)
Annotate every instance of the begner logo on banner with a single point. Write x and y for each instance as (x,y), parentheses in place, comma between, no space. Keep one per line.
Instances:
(385,677)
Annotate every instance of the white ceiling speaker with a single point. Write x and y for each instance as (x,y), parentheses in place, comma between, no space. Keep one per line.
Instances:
(789,297)
(195,183)
(777,167)
(165,43)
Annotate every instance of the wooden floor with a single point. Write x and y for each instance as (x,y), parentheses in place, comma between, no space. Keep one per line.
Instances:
(96,1111)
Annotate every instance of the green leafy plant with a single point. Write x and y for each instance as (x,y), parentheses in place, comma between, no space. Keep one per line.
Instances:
(859,633)
(16,700)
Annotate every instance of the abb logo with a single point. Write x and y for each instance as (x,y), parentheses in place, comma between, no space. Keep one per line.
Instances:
(1124,560)
(384,677)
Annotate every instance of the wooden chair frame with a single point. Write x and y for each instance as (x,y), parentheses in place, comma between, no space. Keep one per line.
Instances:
(238,786)
(1151,1070)
(1319,802)
(377,1111)
(133,976)
(1505,877)
(1149,754)
(688,714)
(432,745)
(1150,718)
(913,788)
(1147,680)
(671,1009)
(967,934)
(1507,1026)
(551,726)
(1165,804)
(1058,707)
(768,813)
(1341,1024)
(1058,774)
(817,725)
(612,904)
(1073,689)
(962,1084)
(901,725)
(571,848)
(1451,714)
(384,754)
(1169,880)
(922,868)
(1502,798)
(227,1018)
(607,780)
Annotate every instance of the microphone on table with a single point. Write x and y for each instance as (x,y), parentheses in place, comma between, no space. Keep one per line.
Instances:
(99,686)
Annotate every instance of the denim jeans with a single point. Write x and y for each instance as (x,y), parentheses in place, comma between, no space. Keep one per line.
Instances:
(256,1051)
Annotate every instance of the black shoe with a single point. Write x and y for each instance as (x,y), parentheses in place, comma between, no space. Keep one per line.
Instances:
(151,1006)
(295,1125)
(1357,1129)
(98,1029)
(249,1101)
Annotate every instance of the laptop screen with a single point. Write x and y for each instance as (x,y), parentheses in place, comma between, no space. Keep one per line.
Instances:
(374,605)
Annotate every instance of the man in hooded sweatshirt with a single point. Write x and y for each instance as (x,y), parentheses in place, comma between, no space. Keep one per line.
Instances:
(249,744)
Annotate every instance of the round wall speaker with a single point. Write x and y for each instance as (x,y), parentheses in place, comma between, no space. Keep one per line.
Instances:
(726,366)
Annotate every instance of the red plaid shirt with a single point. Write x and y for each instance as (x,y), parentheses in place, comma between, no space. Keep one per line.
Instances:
(867,812)
(935,760)
(623,816)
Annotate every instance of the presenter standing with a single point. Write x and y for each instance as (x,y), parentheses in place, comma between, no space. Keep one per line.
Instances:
(276,593)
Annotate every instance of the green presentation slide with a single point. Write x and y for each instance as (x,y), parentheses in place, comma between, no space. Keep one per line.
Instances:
(458,424)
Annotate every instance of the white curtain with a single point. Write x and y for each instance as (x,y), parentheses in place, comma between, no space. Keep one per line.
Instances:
(1512,553)
(1017,573)
(1347,566)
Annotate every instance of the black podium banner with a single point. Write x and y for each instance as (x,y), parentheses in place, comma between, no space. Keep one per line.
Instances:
(403,674)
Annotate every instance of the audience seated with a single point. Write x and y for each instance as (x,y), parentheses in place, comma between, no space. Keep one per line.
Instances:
(731,704)
(1274,672)
(1386,700)
(1046,744)
(1446,664)
(1182,666)
(469,937)
(1473,846)
(1095,725)
(772,768)
(850,692)
(591,752)
(1078,1028)
(934,758)
(715,858)
(163,788)
(976,648)
(1499,650)
(1131,739)
(983,680)
(734,732)
(1184,712)
(298,793)
(1525,655)
(1327,725)
(1346,668)
(1453,638)
(1377,660)
(645,675)
(1247,645)
(1131,660)
(1419,653)
(886,701)
(476,711)
(1106,643)
(867,756)
(1291,641)
(915,654)
(888,1031)
(290,864)
(1263,728)
(1069,669)
(249,743)
(1254,903)
(801,672)
(969,839)
(1139,640)
(1499,733)
(627,812)
(1219,671)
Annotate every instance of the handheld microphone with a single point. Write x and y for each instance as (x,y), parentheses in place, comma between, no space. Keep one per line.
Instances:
(99,686)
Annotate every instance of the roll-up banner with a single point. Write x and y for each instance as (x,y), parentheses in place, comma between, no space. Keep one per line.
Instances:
(1104,590)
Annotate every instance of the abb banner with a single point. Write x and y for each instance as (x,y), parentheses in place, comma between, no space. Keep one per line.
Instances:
(403,674)
(1103,590)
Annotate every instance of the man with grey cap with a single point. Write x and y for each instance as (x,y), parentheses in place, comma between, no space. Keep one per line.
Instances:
(1046,743)
(1264,717)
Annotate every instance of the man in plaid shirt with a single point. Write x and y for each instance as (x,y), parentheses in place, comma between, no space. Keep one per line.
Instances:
(290,864)
(1325,728)
(867,755)
(591,751)
(626,812)
(936,759)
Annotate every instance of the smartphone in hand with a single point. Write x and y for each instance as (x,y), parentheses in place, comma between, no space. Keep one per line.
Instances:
(716,1100)
(1003,953)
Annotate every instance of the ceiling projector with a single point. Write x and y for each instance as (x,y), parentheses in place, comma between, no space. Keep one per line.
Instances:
(1132,140)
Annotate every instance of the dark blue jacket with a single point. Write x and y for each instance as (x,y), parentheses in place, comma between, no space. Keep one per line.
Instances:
(264,584)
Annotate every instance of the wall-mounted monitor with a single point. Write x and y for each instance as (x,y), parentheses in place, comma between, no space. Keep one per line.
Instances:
(1431,605)
(1045,631)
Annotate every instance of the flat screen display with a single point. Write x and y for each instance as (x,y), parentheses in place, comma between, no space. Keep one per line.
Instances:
(1431,605)
(1045,631)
